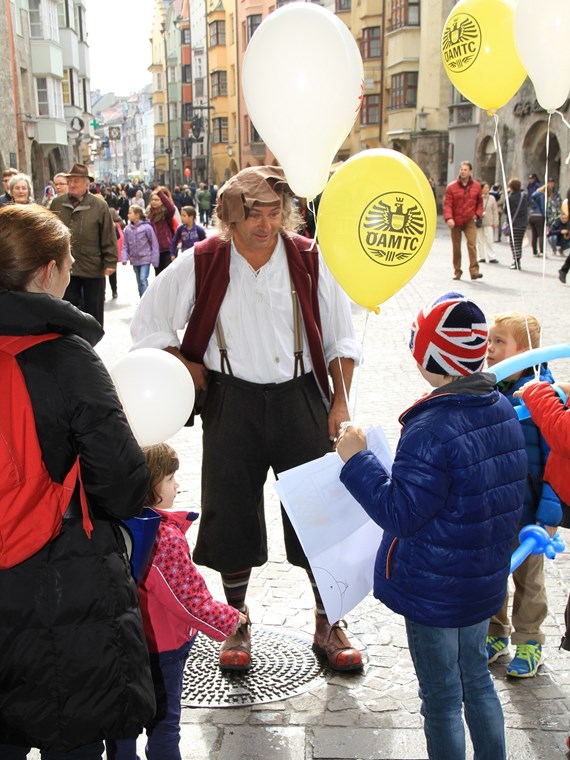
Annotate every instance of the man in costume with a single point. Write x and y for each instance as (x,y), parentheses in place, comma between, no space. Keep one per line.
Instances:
(266,326)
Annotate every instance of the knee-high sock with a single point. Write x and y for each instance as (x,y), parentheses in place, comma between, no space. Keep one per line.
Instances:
(318,601)
(235,587)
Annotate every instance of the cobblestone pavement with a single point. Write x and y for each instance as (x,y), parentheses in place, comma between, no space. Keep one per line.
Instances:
(375,715)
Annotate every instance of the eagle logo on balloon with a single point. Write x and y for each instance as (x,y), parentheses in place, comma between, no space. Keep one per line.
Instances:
(392,229)
(461,42)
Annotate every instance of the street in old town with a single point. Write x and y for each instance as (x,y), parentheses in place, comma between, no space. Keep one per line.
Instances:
(289,707)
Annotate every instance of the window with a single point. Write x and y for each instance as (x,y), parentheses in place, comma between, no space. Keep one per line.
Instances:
(160,145)
(404,90)
(67,88)
(405,13)
(220,130)
(49,99)
(219,84)
(254,134)
(370,111)
(217,31)
(370,44)
(86,105)
(171,74)
(173,111)
(160,114)
(159,80)
(342,5)
(186,73)
(199,88)
(35,17)
(187,111)
(252,23)
(80,24)
(185,36)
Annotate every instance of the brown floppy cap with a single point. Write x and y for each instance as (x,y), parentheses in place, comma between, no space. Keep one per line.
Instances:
(256,184)
(79,170)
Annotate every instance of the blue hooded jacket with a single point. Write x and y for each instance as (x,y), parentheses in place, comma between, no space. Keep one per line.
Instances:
(450,509)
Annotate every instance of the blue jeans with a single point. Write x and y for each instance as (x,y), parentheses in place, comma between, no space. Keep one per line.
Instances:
(87,752)
(141,273)
(452,670)
(163,733)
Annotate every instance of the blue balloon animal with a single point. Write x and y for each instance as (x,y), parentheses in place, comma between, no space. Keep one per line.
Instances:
(534,539)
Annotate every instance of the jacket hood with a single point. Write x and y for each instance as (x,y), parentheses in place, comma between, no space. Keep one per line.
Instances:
(38,313)
(182,519)
(478,389)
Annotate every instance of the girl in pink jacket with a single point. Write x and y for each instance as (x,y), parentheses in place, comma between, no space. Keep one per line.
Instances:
(175,605)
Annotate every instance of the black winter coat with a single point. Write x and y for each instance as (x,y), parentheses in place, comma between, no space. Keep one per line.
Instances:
(73,659)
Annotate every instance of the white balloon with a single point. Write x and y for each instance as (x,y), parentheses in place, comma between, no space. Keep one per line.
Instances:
(156,391)
(302,84)
(541,39)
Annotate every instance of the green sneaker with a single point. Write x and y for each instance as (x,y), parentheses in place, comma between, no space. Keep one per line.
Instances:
(527,660)
(496,647)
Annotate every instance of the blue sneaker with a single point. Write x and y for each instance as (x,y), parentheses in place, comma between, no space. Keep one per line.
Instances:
(496,647)
(527,660)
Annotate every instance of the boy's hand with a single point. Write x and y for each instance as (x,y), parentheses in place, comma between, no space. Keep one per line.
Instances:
(351,440)
(522,389)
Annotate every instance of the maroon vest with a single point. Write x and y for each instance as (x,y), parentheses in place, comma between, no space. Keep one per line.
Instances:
(212,268)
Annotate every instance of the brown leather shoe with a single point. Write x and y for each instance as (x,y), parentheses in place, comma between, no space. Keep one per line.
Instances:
(331,642)
(235,652)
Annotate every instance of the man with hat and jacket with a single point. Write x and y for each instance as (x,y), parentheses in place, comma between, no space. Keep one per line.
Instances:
(93,241)
(266,325)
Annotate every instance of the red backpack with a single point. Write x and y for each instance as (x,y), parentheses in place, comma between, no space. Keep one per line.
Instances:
(31,504)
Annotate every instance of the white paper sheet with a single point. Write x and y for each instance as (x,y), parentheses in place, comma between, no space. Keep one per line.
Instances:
(336,534)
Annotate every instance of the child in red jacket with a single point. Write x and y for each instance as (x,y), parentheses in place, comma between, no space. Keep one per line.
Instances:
(175,605)
(553,418)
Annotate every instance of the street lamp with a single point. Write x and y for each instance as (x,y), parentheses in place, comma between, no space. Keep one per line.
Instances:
(168,150)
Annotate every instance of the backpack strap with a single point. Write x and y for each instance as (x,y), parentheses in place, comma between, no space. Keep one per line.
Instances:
(14,345)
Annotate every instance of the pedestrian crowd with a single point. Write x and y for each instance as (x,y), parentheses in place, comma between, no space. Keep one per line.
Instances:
(90,657)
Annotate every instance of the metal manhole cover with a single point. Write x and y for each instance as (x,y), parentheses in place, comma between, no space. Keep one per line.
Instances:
(283,665)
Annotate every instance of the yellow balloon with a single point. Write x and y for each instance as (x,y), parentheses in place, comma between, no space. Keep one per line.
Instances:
(479,53)
(376,224)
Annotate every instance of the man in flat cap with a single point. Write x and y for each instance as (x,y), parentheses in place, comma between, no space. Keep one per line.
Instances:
(93,241)
(266,326)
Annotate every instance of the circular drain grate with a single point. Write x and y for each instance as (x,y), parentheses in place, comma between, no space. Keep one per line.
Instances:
(283,665)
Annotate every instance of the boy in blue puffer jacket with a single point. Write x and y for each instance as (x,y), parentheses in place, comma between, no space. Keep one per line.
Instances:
(510,334)
(450,511)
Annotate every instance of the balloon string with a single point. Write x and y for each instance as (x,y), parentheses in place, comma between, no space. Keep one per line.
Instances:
(497,142)
(357,384)
(568,125)
(311,207)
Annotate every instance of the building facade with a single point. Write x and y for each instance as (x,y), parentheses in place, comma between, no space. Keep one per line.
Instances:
(44,105)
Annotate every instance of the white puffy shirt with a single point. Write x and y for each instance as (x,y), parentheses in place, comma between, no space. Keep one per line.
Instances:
(256,317)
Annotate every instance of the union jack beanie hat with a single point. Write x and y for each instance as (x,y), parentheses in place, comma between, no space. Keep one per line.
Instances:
(449,336)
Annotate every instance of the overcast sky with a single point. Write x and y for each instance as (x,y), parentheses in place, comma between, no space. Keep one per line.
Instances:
(119,48)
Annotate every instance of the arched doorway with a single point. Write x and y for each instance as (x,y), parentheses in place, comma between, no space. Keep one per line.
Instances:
(534,151)
(487,161)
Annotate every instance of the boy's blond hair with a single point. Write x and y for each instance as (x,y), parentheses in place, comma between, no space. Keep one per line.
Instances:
(161,460)
(521,327)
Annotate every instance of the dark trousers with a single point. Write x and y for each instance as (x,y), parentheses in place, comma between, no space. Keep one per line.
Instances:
(163,732)
(88,294)
(113,282)
(164,261)
(536,222)
(247,429)
(88,752)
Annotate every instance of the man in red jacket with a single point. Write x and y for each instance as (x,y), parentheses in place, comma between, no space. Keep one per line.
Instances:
(462,207)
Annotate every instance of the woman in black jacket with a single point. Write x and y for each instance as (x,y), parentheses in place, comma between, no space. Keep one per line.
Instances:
(73,660)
